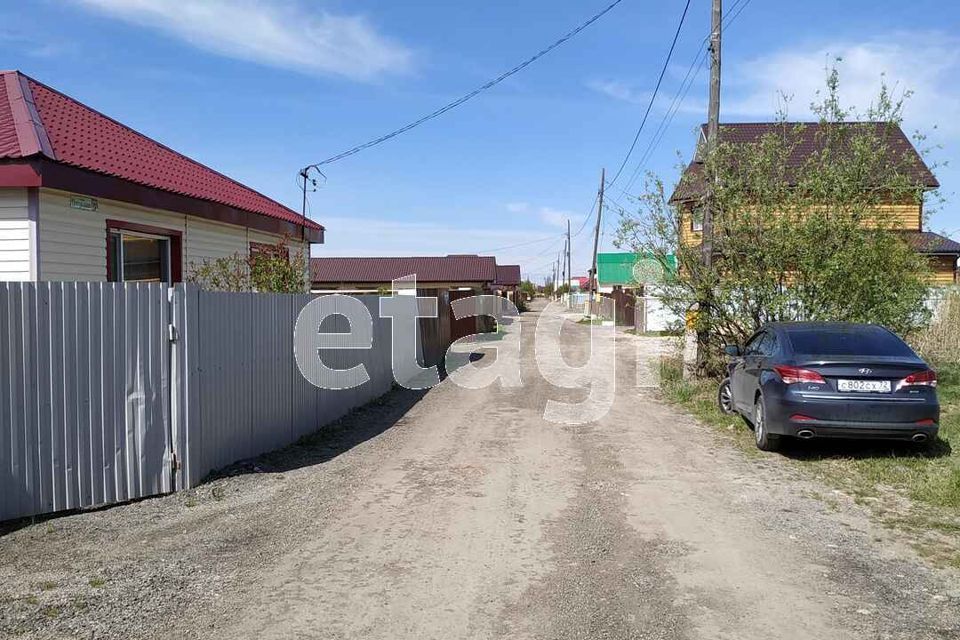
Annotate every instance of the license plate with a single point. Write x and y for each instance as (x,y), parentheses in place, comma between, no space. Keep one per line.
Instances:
(866,386)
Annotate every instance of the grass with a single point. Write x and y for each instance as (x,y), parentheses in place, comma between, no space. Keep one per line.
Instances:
(97,583)
(596,321)
(913,489)
(653,334)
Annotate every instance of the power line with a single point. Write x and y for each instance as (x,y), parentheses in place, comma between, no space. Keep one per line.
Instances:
(698,63)
(653,97)
(589,215)
(519,244)
(459,101)
(668,116)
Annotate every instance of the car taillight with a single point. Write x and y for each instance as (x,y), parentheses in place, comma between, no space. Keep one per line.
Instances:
(793,375)
(926,378)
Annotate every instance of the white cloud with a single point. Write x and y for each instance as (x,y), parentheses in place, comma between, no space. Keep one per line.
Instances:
(619,90)
(547,215)
(555,217)
(927,64)
(278,33)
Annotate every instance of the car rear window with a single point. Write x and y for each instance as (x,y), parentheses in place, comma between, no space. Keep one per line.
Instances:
(854,341)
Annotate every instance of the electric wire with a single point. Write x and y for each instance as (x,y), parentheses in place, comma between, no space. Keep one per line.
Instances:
(698,63)
(520,244)
(656,90)
(462,99)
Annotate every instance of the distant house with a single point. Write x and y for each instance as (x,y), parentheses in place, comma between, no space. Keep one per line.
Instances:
(507,283)
(628,271)
(907,217)
(448,278)
(453,272)
(84,197)
(632,281)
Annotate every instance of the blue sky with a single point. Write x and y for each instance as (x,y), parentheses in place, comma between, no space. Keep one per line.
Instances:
(259,89)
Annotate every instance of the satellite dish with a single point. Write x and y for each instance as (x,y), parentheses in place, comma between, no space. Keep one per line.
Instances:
(647,271)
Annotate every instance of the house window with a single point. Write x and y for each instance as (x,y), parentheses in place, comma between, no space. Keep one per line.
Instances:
(696,219)
(137,253)
(261,249)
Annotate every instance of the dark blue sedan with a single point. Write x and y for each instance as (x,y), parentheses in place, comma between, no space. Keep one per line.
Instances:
(830,380)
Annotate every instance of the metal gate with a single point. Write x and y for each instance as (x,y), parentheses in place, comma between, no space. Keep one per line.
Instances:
(85,402)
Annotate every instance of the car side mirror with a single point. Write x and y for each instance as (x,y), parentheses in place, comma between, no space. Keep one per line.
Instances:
(733,350)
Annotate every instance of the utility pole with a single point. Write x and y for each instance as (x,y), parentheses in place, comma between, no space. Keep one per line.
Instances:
(559,274)
(309,184)
(569,270)
(563,262)
(556,276)
(713,129)
(596,242)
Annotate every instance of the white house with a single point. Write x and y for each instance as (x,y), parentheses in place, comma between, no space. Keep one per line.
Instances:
(83,197)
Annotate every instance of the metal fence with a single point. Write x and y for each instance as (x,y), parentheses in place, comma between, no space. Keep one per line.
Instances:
(113,392)
(238,390)
(84,398)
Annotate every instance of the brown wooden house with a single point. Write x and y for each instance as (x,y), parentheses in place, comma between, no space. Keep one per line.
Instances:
(905,217)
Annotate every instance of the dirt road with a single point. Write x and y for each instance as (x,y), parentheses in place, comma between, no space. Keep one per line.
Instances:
(464,514)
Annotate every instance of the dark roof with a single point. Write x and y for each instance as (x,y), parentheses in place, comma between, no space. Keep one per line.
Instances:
(929,242)
(806,143)
(508,275)
(38,121)
(453,268)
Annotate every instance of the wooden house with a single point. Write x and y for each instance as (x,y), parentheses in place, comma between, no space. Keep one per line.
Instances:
(905,217)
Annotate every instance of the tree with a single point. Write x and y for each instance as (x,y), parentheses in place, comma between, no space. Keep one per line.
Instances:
(267,269)
(528,288)
(793,241)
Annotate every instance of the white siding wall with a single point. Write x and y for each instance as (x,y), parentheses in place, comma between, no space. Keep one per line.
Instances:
(16,231)
(73,243)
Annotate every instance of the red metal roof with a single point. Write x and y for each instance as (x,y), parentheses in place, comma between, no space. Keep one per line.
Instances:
(508,275)
(36,120)
(455,268)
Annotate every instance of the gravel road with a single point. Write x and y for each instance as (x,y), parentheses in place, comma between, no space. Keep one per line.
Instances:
(461,513)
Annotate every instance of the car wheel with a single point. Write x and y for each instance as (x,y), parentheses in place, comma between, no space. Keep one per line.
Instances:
(764,439)
(725,398)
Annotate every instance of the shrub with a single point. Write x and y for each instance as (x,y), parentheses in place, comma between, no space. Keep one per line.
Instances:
(269,269)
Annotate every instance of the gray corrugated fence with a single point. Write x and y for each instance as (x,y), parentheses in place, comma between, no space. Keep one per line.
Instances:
(239,391)
(103,383)
(84,402)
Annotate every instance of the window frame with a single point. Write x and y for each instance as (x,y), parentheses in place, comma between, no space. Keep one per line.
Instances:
(754,342)
(694,226)
(173,237)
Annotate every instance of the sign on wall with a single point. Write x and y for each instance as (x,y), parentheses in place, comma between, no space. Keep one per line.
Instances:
(83,203)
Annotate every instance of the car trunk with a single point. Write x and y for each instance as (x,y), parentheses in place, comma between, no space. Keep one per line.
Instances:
(854,380)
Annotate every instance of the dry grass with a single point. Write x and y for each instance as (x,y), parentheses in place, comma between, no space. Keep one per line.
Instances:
(940,343)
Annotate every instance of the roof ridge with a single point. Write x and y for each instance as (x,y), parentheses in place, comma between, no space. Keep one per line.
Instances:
(154,141)
(31,135)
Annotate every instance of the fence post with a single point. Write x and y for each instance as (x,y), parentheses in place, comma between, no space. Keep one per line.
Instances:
(184,386)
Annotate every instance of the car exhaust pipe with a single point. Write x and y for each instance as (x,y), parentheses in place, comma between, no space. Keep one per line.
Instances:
(805,434)
(919,437)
